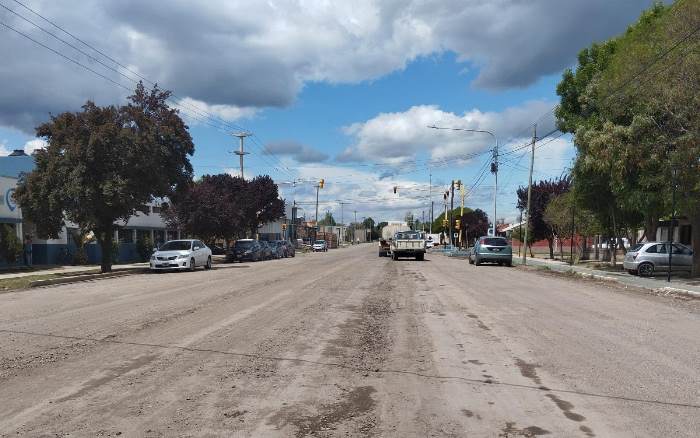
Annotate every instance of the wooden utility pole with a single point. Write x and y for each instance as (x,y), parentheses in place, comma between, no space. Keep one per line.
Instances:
(529,190)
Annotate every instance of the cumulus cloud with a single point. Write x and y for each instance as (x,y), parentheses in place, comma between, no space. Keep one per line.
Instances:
(396,138)
(364,190)
(29,147)
(237,56)
(33,145)
(299,152)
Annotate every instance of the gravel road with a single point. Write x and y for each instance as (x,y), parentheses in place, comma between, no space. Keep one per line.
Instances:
(347,344)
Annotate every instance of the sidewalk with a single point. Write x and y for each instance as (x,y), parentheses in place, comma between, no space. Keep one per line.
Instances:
(681,285)
(52,269)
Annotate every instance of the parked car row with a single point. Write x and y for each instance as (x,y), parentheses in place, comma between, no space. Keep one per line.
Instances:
(189,254)
(251,250)
(643,259)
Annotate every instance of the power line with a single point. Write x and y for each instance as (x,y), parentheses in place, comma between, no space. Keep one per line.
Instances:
(195,112)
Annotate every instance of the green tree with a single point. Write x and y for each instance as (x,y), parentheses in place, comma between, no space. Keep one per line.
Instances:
(210,208)
(10,244)
(102,163)
(542,192)
(327,219)
(632,106)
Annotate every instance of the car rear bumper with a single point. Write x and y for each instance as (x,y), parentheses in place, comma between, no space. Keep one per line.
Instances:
(630,265)
(494,256)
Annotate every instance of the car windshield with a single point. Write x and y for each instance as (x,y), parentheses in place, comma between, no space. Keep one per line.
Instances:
(244,244)
(176,245)
(636,247)
(494,241)
(408,235)
(320,242)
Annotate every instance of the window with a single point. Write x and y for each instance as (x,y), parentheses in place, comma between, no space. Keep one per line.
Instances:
(677,249)
(657,249)
(159,237)
(155,209)
(144,209)
(494,241)
(126,235)
(636,247)
(143,235)
(177,245)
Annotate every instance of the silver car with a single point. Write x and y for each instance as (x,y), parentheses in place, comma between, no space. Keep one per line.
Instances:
(181,254)
(647,258)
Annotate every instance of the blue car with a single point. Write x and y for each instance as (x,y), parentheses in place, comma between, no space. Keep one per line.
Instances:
(492,250)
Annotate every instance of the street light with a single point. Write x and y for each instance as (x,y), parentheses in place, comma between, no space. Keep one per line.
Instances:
(494,165)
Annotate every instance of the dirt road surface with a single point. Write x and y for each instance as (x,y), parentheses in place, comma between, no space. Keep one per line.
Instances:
(348,344)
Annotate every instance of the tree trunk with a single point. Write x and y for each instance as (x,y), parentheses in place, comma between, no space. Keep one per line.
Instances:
(597,247)
(561,248)
(695,240)
(550,240)
(106,241)
(650,225)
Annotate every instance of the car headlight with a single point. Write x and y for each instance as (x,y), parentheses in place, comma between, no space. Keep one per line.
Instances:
(247,252)
(183,256)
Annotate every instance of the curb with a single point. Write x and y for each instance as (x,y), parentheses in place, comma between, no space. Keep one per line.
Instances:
(83,277)
(658,290)
(676,291)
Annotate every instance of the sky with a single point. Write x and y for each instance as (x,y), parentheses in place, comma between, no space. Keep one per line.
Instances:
(333,90)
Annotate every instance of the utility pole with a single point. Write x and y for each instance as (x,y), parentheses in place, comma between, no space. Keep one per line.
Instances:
(673,224)
(240,152)
(430,196)
(432,213)
(529,190)
(494,170)
(462,194)
(452,206)
(354,226)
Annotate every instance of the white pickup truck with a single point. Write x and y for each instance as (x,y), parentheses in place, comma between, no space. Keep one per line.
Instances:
(408,244)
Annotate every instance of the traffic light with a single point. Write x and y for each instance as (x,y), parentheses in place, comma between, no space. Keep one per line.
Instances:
(320,183)
(444,223)
(459,184)
(458,224)
(395,189)
(284,227)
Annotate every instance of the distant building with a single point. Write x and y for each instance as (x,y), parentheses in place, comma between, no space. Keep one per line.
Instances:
(146,224)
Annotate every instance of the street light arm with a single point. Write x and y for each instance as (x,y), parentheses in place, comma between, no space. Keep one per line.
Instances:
(466,130)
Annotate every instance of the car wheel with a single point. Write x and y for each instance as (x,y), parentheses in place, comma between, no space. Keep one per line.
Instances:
(192,265)
(471,261)
(477,262)
(420,257)
(394,257)
(208,265)
(645,270)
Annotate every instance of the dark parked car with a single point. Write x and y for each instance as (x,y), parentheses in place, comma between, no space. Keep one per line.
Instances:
(266,249)
(285,248)
(245,250)
(217,250)
(280,248)
(491,249)
(291,251)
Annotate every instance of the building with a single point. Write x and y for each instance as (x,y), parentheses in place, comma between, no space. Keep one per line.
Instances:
(145,228)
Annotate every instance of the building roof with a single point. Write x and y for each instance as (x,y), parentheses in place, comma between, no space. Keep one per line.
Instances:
(13,166)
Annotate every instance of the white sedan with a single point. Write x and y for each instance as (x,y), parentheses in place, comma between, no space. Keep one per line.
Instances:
(181,254)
